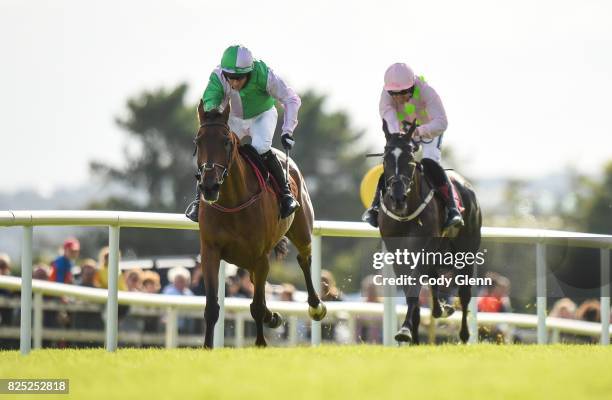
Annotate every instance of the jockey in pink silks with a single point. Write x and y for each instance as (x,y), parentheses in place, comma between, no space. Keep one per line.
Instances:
(406,97)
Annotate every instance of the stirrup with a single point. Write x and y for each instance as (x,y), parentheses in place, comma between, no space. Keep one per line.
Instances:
(371,216)
(192,211)
(288,205)
(454,219)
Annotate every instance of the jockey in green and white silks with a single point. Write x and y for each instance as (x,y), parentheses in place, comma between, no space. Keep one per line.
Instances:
(408,98)
(251,89)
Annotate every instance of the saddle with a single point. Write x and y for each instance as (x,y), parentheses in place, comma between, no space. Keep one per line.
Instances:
(252,158)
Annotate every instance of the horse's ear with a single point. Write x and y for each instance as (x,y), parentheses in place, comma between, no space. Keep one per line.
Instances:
(201,113)
(226,113)
(411,130)
(385,129)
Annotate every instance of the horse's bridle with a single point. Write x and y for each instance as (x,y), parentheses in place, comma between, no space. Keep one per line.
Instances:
(406,180)
(209,166)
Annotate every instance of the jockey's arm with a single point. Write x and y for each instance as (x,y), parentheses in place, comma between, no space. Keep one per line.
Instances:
(214,94)
(438,122)
(388,113)
(291,102)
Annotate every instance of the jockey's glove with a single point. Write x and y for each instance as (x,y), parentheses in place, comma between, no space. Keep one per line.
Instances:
(287,140)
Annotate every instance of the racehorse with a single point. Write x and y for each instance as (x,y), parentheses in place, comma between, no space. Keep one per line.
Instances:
(240,223)
(410,220)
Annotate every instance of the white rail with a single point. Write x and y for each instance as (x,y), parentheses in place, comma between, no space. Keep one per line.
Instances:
(239,308)
(116,220)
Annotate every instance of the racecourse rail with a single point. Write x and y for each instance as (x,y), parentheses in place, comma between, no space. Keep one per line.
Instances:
(115,220)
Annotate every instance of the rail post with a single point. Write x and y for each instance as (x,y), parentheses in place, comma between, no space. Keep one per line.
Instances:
(112,303)
(25,336)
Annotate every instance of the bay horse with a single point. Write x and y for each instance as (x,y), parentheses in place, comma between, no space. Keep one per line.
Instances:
(410,220)
(239,222)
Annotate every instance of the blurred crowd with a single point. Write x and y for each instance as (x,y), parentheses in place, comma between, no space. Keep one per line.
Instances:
(70,268)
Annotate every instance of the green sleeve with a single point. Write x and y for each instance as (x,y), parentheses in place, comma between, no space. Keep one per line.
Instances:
(213,94)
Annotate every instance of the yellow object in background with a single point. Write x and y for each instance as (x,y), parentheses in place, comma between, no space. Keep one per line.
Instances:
(369,183)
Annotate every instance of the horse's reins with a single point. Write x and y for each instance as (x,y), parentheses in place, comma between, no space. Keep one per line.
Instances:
(209,166)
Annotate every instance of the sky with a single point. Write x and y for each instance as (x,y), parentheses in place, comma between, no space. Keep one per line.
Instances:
(526,84)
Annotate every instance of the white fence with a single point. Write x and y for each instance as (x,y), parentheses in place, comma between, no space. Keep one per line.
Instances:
(117,220)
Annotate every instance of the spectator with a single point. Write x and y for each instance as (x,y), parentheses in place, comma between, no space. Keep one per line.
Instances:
(179,278)
(5,264)
(369,328)
(496,298)
(6,313)
(41,272)
(88,273)
(589,311)
(61,267)
(150,282)
(287,292)
(564,308)
(102,276)
(329,290)
(245,286)
(133,280)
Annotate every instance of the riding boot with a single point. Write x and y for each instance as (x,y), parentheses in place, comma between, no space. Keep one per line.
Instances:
(446,189)
(288,204)
(193,209)
(453,216)
(371,214)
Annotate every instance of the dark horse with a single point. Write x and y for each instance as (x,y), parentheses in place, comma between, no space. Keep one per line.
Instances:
(240,222)
(412,219)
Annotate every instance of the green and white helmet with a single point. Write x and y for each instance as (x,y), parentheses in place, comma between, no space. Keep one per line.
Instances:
(237,60)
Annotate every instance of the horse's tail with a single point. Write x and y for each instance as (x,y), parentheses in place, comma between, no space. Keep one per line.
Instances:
(281,249)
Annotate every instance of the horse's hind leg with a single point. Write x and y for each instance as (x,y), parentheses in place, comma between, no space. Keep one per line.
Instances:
(299,234)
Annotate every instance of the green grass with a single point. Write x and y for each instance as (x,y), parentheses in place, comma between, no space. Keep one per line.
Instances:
(328,372)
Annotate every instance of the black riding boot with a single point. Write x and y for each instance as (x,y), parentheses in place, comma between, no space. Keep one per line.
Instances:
(288,204)
(371,214)
(193,209)
(443,184)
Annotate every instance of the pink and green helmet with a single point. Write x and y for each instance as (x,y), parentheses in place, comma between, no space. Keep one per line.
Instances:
(237,60)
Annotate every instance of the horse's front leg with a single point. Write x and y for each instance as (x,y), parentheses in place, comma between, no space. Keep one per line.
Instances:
(210,271)
(411,322)
(465,295)
(259,311)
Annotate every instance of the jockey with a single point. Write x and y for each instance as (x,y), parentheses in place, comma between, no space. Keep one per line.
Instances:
(408,98)
(250,87)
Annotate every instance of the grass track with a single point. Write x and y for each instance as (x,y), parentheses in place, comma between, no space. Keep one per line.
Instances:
(328,372)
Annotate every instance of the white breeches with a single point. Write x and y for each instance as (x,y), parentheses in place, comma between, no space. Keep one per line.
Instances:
(260,129)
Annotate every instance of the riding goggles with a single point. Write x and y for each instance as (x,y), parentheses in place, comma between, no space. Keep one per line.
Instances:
(404,92)
(234,76)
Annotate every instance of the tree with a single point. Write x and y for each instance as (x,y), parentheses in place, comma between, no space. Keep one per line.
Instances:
(599,207)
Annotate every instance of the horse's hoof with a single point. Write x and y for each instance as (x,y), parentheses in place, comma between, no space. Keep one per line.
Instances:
(318,313)
(403,335)
(261,343)
(447,311)
(464,336)
(275,321)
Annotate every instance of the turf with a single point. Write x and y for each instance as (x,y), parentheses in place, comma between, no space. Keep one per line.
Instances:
(327,372)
